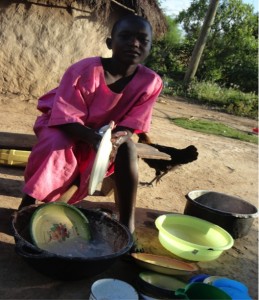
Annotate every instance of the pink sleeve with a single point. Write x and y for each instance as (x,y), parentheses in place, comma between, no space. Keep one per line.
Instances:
(139,117)
(69,105)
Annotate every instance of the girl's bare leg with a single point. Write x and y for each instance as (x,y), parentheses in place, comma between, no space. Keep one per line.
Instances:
(126,181)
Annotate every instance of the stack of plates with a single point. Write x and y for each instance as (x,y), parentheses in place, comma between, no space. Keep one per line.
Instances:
(158,282)
(164,264)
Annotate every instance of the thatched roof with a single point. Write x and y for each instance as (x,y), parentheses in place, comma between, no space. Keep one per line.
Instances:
(145,8)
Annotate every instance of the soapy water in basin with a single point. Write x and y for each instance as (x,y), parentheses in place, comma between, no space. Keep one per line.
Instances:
(79,247)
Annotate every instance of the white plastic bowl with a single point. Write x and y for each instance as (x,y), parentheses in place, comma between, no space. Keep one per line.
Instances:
(111,289)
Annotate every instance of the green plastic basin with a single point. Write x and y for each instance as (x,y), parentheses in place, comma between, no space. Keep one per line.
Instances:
(192,238)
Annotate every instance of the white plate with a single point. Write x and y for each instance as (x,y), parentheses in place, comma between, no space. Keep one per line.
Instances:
(101,162)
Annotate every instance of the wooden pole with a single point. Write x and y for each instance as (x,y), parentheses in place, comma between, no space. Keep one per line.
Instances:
(201,41)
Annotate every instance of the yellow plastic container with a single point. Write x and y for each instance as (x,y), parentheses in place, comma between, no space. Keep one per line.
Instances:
(13,157)
(192,238)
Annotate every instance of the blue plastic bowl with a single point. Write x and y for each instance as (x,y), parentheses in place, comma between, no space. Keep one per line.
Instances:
(233,288)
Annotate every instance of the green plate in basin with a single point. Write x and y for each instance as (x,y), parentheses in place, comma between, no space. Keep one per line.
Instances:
(59,228)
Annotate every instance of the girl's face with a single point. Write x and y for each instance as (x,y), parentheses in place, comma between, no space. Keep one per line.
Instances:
(131,42)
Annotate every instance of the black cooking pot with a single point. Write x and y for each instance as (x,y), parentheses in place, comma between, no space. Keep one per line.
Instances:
(231,213)
(65,267)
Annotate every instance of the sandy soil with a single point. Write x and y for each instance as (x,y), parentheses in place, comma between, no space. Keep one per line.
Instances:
(224,165)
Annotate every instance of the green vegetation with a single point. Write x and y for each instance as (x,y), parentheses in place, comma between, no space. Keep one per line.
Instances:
(215,128)
(231,51)
(227,77)
(229,100)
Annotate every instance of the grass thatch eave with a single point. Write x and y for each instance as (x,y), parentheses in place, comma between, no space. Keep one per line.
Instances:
(148,9)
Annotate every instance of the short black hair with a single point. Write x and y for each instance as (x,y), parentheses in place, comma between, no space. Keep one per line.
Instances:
(130,17)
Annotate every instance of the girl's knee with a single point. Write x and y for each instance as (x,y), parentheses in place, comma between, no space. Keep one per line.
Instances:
(128,149)
(126,158)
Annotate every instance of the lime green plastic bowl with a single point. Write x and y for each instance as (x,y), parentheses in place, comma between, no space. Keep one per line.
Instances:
(192,238)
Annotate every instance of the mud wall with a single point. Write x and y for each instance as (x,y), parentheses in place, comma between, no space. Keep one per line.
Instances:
(39,41)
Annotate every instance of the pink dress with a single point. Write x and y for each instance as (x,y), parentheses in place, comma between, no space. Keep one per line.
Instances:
(83,97)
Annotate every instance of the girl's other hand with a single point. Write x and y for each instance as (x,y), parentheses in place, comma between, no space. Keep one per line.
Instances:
(117,139)
(79,132)
(94,138)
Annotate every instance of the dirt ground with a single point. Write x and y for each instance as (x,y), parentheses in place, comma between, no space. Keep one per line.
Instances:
(224,165)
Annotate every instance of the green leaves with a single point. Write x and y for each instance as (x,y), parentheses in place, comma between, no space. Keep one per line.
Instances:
(230,55)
